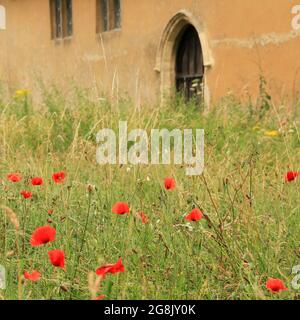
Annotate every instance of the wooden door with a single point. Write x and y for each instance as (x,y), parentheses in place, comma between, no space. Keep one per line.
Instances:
(189,65)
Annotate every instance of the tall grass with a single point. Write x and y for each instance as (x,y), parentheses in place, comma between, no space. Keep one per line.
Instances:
(251,230)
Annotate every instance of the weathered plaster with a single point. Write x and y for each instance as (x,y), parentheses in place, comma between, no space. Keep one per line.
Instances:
(240,38)
(262,40)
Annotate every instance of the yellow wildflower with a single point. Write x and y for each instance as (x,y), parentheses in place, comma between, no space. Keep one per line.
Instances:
(21,93)
(272,133)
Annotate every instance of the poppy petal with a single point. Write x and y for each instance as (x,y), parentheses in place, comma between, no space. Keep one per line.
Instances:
(59,177)
(111,268)
(194,215)
(57,258)
(170,183)
(34,276)
(120,208)
(37,181)
(275,285)
(14,177)
(42,235)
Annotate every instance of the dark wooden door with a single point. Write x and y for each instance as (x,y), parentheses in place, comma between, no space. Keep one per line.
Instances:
(189,65)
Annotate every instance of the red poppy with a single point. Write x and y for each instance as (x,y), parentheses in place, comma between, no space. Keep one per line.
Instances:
(50,211)
(120,208)
(59,177)
(275,285)
(14,177)
(34,276)
(170,183)
(100,297)
(42,236)
(26,194)
(291,176)
(57,258)
(111,268)
(194,215)
(37,181)
(144,218)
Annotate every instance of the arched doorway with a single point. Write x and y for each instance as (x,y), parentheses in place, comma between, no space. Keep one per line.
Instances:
(189,69)
(166,59)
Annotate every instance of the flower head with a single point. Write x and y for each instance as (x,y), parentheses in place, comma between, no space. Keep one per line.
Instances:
(275,285)
(111,268)
(34,276)
(59,177)
(37,181)
(26,194)
(57,258)
(120,208)
(42,236)
(272,133)
(143,217)
(291,176)
(170,183)
(14,177)
(21,93)
(194,215)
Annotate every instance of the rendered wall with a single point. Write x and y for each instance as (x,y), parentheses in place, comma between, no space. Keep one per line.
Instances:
(246,37)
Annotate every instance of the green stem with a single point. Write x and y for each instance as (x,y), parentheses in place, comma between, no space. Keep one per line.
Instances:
(24,226)
(82,243)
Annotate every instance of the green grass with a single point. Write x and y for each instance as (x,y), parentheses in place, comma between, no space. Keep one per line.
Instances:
(252,230)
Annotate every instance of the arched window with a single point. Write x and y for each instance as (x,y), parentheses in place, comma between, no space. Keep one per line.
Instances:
(2,18)
(108,15)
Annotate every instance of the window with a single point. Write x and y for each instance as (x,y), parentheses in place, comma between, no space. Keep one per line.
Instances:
(61,18)
(108,15)
(2,18)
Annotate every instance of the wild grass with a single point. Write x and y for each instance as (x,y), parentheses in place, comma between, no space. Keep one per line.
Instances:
(252,228)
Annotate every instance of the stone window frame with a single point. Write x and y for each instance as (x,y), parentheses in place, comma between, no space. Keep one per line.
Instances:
(61,17)
(108,16)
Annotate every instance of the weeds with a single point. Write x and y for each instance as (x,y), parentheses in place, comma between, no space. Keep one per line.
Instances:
(250,229)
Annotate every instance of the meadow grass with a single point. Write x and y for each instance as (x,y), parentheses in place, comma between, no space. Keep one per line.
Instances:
(251,230)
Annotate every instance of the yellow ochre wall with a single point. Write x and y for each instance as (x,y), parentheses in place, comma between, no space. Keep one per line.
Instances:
(245,38)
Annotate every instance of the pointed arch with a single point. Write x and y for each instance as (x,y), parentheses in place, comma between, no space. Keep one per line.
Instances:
(166,53)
